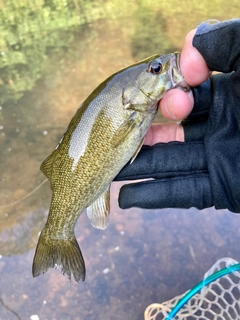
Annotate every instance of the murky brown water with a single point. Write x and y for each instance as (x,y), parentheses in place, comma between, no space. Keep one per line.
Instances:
(143,256)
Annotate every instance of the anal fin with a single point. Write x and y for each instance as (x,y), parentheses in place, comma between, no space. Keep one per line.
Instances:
(98,211)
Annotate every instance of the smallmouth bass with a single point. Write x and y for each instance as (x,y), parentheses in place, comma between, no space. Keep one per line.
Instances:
(106,132)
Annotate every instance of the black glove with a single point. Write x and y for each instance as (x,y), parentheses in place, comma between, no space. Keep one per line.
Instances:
(204,170)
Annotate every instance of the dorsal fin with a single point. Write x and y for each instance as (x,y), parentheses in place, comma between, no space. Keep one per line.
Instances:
(46,166)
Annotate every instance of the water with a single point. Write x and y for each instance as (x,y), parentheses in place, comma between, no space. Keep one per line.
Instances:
(53,54)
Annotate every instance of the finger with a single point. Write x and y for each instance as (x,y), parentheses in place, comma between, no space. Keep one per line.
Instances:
(193,66)
(180,192)
(166,160)
(177,104)
(164,133)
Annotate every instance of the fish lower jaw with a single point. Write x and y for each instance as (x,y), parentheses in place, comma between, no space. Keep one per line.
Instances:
(175,74)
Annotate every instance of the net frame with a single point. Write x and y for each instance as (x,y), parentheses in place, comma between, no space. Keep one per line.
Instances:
(220,300)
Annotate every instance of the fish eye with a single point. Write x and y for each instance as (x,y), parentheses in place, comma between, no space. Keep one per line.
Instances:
(155,67)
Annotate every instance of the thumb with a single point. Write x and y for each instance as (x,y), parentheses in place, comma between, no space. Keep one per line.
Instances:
(177,104)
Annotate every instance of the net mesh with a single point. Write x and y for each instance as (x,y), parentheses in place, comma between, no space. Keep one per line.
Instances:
(220,300)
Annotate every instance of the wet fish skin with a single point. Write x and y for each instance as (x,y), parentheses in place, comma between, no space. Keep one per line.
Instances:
(105,133)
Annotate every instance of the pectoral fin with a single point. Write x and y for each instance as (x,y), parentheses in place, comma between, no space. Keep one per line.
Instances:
(124,130)
(98,212)
(137,151)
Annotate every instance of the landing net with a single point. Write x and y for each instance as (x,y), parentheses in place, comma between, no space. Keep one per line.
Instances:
(219,300)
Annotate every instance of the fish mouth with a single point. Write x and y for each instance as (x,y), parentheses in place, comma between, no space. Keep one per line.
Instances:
(175,74)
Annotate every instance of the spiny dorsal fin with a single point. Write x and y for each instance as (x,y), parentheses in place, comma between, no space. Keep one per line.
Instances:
(98,211)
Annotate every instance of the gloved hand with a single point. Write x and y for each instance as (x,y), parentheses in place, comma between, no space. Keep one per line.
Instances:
(204,170)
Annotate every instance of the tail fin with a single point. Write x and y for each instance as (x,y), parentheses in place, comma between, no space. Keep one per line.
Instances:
(59,252)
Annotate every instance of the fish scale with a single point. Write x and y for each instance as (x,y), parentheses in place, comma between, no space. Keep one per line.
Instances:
(106,132)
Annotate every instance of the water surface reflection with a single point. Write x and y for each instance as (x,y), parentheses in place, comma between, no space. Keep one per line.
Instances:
(143,256)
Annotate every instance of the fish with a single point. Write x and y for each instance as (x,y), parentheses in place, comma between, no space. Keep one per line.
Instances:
(106,132)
